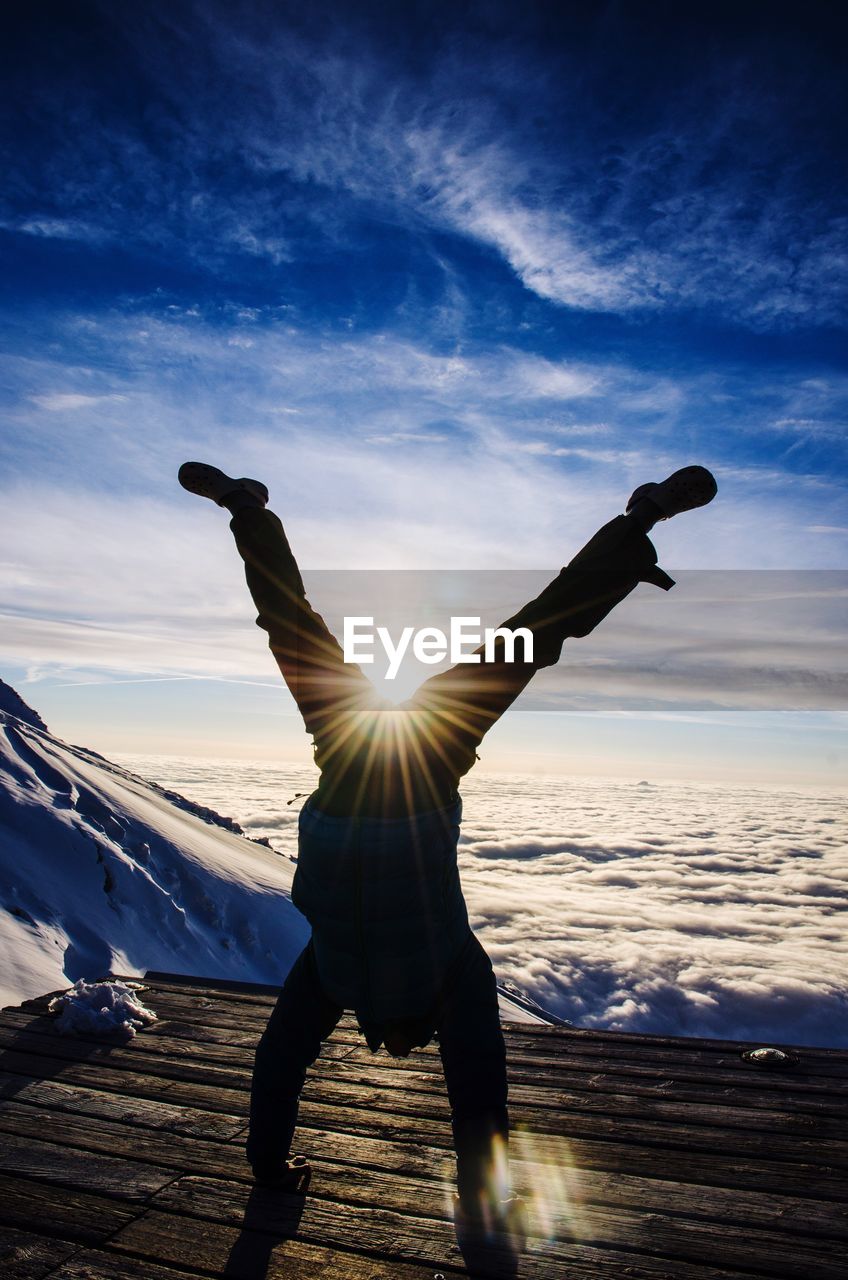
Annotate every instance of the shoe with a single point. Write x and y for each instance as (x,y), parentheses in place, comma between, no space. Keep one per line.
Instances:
(209,482)
(683,491)
(294,1175)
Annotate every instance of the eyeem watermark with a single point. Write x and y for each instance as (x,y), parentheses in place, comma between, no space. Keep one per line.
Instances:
(430,644)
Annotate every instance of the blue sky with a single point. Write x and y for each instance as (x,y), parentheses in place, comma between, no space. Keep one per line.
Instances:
(451,279)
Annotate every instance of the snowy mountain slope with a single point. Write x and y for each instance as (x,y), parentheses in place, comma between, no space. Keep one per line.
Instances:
(100,871)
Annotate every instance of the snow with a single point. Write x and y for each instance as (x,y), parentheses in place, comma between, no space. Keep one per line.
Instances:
(11,701)
(101,1009)
(102,872)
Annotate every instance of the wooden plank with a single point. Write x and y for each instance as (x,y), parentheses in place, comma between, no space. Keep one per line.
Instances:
(24,1255)
(423,1184)
(95,1264)
(118,1057)
(546,1106)
(370,1230)
(322,1101)
(120,1079)
(833,1069)
(245,1255)
(85,1170)
(815,1063)
(251,1248)
(616,1149)
(69,1214)
(129,1109)
(671,1237)
(746,1144)
(678,1104)
(231,987)
(424,1150)
(265,998)
(569,1113)
(159,1037)
(128,1141)
(597,1040)
(527,1084)
(625,1059)
(567,1187)
(757,1089)
(665,1237)
(708,1170)
(409,1090)
(219,1249)
(743,1077)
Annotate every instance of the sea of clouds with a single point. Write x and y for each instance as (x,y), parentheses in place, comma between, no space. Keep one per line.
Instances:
(680,908)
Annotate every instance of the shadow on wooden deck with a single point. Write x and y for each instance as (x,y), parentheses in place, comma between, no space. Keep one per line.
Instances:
(643,1157)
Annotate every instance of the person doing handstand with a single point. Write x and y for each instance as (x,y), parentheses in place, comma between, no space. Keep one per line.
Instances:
(376,872)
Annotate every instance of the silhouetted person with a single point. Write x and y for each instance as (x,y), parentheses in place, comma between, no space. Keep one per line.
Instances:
(376,873)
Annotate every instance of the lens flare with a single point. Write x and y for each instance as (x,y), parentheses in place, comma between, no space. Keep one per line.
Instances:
(549,1178)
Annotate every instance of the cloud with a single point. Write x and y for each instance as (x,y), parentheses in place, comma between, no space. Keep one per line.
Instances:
(711,197)
(128,584)
(270,247)
(615,457)
(673,909)
(149,387)
(474,191)
(620,935)
(57,229)
(673,217)
(58,402)
(408,437)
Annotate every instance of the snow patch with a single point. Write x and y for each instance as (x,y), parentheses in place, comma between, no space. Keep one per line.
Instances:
(101,1009)
(103,872)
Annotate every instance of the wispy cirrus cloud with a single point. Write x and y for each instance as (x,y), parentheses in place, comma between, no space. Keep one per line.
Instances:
(710,197)
(60,401)
(561,442)
(58,229)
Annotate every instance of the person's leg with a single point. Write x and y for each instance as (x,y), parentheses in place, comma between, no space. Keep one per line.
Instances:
(324,686)
(336,700)
(456,707)
(471,1046)
(461,704)
(327,690)
(302,1018)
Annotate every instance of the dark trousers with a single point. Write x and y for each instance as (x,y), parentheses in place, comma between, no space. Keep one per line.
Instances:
(417,767)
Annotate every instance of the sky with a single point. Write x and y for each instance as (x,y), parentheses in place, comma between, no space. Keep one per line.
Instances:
(452,280)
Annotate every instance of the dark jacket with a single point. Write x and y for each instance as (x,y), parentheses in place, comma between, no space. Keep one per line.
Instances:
(384,900)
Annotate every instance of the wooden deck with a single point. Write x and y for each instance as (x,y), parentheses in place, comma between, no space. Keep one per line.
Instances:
(641,1156)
